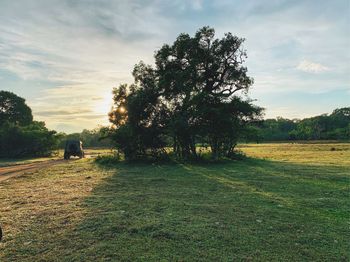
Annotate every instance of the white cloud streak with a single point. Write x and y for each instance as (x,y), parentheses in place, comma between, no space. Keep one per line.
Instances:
(83,48)
(311,67)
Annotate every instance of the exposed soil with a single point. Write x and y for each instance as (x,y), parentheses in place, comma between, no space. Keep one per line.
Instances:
(17,170)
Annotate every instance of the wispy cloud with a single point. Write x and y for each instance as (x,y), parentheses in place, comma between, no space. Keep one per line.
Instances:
(197,4)
(311,67)
(71,53)
(61,113)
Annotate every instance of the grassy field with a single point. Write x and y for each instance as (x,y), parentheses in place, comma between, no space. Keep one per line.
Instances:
(284,202)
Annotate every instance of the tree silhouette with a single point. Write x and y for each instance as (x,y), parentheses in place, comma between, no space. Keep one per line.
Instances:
(194,94)
(13,109)
(199,77)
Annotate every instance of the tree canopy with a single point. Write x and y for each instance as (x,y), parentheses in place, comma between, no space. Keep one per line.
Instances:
(13,109)
(19,134)
(33,139)
(197,93)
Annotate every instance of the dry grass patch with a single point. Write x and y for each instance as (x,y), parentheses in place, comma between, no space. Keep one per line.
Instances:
(301,153)
(40,207)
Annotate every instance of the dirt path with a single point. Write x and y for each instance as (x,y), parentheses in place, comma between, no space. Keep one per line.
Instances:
(17,170)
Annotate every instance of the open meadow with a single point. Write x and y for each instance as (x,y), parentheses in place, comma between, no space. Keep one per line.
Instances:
(174,130)
(283,202)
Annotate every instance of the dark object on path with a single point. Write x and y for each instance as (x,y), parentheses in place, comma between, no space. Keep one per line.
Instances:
(0,233)
(73,148)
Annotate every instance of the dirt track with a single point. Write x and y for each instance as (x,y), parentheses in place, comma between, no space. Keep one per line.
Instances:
(17,170)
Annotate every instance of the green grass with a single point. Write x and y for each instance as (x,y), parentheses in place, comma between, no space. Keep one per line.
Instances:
(289,202)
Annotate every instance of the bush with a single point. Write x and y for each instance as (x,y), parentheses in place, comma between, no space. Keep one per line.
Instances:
(30,140)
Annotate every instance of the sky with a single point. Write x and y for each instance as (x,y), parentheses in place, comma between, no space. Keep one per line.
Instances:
(65,56)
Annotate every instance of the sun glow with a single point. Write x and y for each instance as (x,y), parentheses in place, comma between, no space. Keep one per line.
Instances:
(121,109)
(104,104)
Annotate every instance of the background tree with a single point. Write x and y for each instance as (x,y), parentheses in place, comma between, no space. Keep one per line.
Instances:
(29,140)
(277,129)
(19,135)
(90,138)
(334,126)
(14,109)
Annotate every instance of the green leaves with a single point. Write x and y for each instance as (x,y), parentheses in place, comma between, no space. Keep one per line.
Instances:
(19,134)
(30,140)
(191,96)
(13,109)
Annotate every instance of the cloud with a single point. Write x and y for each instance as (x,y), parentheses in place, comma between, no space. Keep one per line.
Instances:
(64,112)
(70,63)
(197,4)
(311,67)
(97,98)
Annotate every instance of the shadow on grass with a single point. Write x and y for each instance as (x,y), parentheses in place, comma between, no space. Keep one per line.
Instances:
(232,210)
(225,210)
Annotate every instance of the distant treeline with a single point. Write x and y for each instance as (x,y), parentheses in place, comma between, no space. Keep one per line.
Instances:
(21,136)
(90,138)
(334,126)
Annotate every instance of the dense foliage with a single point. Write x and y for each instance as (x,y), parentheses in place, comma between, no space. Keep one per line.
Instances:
(334,126)
(29,140)
(14,109)
(197,93)
(19,134)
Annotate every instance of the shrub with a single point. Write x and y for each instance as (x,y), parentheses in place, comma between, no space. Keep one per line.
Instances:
(30,140)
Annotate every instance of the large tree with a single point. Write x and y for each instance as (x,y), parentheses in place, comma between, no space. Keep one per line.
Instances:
(200,78)
(196,93)
(13,109)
